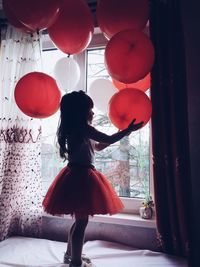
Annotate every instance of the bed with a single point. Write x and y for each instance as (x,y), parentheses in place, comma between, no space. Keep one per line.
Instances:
(28,252)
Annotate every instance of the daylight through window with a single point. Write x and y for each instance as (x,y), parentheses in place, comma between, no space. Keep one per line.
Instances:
(126,163)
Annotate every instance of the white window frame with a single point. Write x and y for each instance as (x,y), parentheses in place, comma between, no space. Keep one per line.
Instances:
(131,205)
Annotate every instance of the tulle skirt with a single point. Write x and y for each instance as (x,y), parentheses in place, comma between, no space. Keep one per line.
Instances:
(80,191)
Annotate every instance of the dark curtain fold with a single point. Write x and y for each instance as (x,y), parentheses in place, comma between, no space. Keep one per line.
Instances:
(170,139)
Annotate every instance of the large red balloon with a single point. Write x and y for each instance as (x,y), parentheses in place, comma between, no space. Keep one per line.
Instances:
(73,29)
(115,16)
(129,104)
(129,56)
(13,20)
(34,14)
(37,95)
(143,84)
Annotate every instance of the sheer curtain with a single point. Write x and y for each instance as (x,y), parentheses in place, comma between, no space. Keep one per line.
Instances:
(20,146)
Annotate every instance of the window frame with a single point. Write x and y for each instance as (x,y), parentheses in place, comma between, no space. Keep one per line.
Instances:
(131,205)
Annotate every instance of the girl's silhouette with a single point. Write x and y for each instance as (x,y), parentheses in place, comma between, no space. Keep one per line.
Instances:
(79,189)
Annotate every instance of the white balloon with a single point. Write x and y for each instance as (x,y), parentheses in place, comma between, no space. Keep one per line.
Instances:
(101,91)
(66,73)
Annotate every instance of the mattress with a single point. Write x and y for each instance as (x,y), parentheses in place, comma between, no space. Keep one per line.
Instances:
(29,252)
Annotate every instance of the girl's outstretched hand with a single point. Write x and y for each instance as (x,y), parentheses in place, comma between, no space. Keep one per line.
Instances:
(135,126)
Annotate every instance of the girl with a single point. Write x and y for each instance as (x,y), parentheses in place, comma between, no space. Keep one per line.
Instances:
(79,189)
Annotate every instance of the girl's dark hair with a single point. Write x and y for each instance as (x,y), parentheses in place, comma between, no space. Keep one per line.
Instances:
(74,108)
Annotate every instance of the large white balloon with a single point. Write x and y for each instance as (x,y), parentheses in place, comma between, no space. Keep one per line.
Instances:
(66,73)
(101,91)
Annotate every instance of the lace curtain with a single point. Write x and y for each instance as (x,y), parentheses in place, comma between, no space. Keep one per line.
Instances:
(20,146)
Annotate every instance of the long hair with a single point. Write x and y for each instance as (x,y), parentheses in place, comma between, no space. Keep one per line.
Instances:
(74,108)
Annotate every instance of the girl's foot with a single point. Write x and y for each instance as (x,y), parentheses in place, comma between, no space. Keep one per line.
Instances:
(84,264)
(67,259)
(86,259)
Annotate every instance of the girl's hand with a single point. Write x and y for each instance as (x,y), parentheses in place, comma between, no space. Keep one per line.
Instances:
(135,126)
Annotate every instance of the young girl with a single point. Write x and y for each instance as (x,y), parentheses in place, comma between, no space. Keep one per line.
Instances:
(79,189)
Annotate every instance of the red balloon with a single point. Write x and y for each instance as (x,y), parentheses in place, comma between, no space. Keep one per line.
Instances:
(73,29)
(143,84)
(13,20)
(37,95)
(34,14)
(114,17)
(129,56)
(129,104)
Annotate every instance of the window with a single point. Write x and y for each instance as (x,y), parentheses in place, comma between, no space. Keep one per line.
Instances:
(51,162)
(127,162)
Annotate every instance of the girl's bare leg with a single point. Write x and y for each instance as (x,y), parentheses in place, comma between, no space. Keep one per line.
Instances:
(77,239)
(69,244)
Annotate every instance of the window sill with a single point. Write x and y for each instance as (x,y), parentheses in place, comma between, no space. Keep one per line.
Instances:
(121,219)
(125,219)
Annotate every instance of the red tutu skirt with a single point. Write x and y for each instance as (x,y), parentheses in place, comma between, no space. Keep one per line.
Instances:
(80,191)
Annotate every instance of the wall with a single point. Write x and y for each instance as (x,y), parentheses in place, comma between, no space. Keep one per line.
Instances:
(55,228)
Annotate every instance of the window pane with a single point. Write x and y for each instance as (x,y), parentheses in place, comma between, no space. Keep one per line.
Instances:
(51,162)
(127,162)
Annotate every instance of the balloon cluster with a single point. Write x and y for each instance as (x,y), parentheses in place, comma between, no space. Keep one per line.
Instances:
(68,22)
(70,26)
(129,53)
(129,57)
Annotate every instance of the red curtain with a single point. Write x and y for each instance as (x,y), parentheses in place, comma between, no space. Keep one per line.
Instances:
(170,130)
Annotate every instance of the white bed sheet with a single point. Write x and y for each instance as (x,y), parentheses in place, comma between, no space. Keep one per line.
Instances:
(29,252)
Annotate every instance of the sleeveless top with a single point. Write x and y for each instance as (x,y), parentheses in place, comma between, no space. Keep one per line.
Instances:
(84,154)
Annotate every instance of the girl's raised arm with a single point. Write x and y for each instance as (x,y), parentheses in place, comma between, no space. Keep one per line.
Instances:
(98,136)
